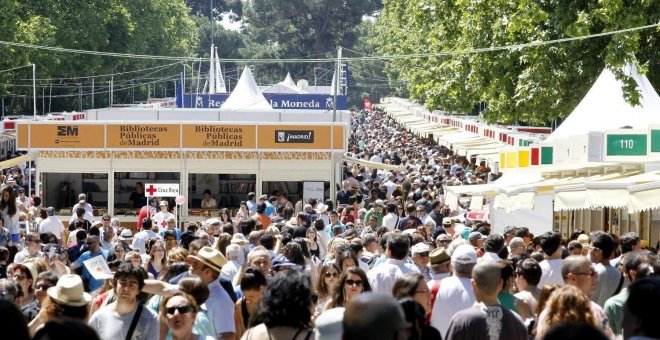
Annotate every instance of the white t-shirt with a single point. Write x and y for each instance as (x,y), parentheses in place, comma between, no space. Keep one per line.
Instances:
(141,238)
(551,272)
(382,278)
(390,221)
(455,295)
(110,325)
(161,219)
(608,281)
(52,225)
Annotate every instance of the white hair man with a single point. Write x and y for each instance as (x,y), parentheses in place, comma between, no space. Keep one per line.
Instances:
(232,267)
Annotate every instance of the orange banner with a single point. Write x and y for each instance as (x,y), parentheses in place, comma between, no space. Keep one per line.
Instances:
(219,136)
(299,137)
(145,136)
(140,136)
(62,136)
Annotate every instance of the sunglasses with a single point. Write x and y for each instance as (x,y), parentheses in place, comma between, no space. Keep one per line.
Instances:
(106,219)
(331,275)
(423,254)
(183,309)
(350,282)
(42,287)
(591,273)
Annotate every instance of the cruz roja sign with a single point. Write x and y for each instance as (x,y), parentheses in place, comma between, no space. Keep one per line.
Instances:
(161,190)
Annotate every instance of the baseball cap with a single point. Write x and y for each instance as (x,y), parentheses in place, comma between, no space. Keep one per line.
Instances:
(464,254)
(475,235)
(419,248)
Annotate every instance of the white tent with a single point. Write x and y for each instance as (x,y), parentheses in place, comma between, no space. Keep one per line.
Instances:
(246,95)
(288,80)
(604,107)
(287,86)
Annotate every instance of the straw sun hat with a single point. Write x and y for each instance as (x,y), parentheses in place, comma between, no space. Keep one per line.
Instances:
(70,291)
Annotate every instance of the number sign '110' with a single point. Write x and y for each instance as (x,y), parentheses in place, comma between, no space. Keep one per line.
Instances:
(627,145)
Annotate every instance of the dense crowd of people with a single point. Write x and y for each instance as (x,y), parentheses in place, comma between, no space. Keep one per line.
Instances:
(384,259)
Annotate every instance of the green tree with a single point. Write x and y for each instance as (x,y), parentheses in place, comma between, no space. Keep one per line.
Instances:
(202,8)
(369,76)
(301,28)
(159,27)
(533,85)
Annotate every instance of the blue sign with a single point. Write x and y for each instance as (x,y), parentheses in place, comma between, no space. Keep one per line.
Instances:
(277,101)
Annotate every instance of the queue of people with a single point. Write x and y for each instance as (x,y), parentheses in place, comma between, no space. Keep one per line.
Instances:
(385,259)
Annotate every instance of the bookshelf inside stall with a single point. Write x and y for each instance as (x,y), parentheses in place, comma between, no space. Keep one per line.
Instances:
(228,190)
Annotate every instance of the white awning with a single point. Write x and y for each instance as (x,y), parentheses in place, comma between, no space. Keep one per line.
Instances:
(636,192)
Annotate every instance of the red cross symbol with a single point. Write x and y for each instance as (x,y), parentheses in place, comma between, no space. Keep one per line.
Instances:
(163,223)
(151,190)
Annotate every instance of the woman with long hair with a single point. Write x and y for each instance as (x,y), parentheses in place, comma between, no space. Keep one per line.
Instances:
(313,242)
(567,304)
(253,284)
(225,216)
(242,215)
(221,244)
(156,262)
(119,254)
(345,258)
(285,309)
(413,286)
(10,216)
(25,277)
(325,287)
(352,282)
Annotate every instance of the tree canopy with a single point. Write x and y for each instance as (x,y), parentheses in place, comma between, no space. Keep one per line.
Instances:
(534,85)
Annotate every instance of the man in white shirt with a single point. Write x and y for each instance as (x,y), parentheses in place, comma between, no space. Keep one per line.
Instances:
(232,267)
(455,293)
(492,246)
(141,238)
(163,215)
(390,185)
(610,279)
(82,203)
(382,277)
(551,266)
(51,224)
(391,219)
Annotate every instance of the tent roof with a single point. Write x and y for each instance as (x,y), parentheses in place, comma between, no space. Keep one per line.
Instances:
(604,108)
(246,95)
(288,80)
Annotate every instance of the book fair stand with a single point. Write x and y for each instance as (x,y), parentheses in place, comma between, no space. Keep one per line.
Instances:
(110,160)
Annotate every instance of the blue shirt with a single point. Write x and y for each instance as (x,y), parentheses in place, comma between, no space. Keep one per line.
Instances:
(329,228)
(94,284)
(177,232)
(270,209)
